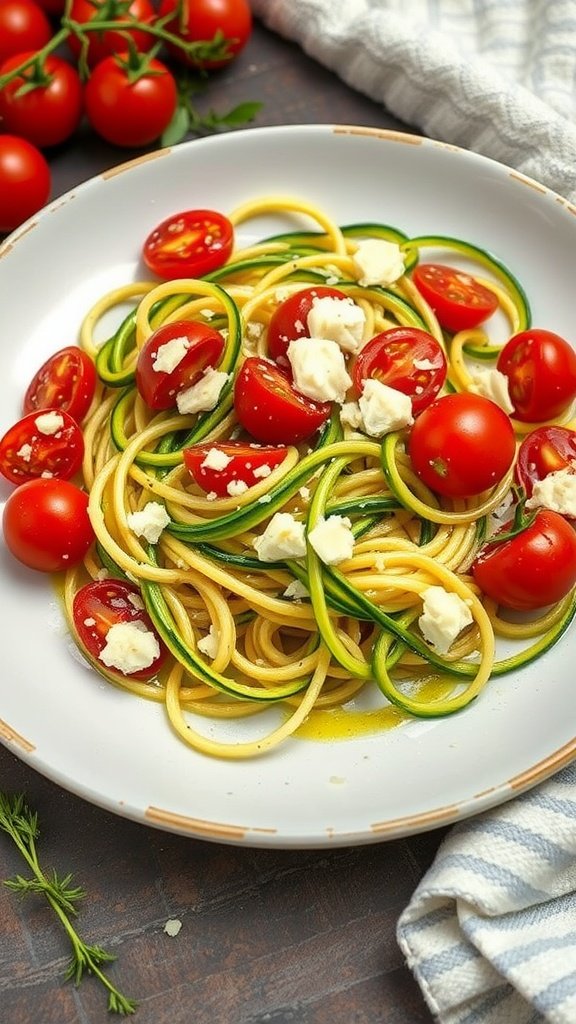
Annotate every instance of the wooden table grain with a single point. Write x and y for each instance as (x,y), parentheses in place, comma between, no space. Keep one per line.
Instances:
(267,936)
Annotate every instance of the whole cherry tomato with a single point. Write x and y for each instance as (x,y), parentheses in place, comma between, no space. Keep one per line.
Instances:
(541,371)
(289,319)
(189,244)
(462,444)
(66,381)
(269,407)
(545,450)
(459,301)
(196,347)
(405,358)
(246,464)
(130,111)
(535,568)
(45,443)
(47,114)
(202,20)
(104,44)
(23,26)
(102,604)
(24,181)
(46,524)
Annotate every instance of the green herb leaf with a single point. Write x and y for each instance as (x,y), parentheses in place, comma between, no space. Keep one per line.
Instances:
(178,127)
(241,114)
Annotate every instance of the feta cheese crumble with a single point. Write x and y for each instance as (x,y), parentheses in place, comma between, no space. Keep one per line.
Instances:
(170,355)
(378,262)
(284,537)
(557,491)
(319,369)
(49,422)
(332,539)
(149,521)
(236,487)
(208,644)
(339,320)
(204,394)
(444,616)
(493,384)
(216,459)
(130,647)
(25,452)
(383,408)
(296,591)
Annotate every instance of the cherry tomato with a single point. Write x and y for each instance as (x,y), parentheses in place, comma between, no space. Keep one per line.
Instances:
(202,347)
(543,451)
(404,358)
(461,445)
(54,8)
(189,244)
(289,319)
(202,20)
(249,464)
(541,371)
(104,44)
(23,26)
(46,524)
(66,381)
(47,114)
(130,112)
(458,300)
(104,603)
(535,568)
(270,408)
(28,451)
(24,181)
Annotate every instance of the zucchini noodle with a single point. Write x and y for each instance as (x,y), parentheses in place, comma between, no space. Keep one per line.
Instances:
(351,632)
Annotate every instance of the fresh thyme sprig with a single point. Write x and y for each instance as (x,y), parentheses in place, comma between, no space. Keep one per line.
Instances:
(21,824)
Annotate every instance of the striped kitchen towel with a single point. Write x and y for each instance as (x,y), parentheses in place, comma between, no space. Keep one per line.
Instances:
(490,932)
(494,76)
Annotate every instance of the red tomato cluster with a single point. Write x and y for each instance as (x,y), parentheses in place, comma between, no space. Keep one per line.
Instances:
(128,96)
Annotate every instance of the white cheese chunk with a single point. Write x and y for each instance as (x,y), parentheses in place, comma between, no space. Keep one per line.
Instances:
(557,491)
(130,647)
(149,521)
(25,452)
(350,415)
(208,644)
(49,422)
(339,320)
(262,471)
(296,591)
(332,539)
(491,383)
(284,537)
(216,459)
(444,616)
(170,354)
(236,487)
(319,369)
(383,408)
(378,262)
(204,394)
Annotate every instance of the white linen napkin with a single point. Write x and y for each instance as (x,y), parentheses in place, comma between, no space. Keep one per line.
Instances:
(490,932)
(494,76)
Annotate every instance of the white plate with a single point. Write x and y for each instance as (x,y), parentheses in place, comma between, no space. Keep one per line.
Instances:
(118,751)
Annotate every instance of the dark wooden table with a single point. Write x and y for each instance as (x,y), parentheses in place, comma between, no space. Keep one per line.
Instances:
(282,937)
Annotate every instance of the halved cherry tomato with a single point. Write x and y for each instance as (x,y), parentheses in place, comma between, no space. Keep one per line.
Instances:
(270,408)
(249,464)
(535,568)
(541,371)
(102,604)
(405,358)
(543,451)
(459,301)
(46,525)
(202,347)
(189,244)
(31,448)
(461,445)
(66,381)
(289,319)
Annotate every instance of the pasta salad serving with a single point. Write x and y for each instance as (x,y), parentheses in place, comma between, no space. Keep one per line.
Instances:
(338,461)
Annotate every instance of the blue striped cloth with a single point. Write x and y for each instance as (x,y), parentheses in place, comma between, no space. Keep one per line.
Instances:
(490,932)
(494,76)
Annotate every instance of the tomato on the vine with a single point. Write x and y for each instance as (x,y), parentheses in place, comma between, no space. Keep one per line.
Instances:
(23,26)
(104,44)
(189,244)
(129,108)
(462,444)
(66,381)
(29,449)
(54,8)
(48,113)
(269,407)
(193,348)
(103,604)
(545,450)
(201,20)
(24,181)
(405,358)
(459,301)
(241,463)
(46,524)
(541,371)
(289,319)
(532,569)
